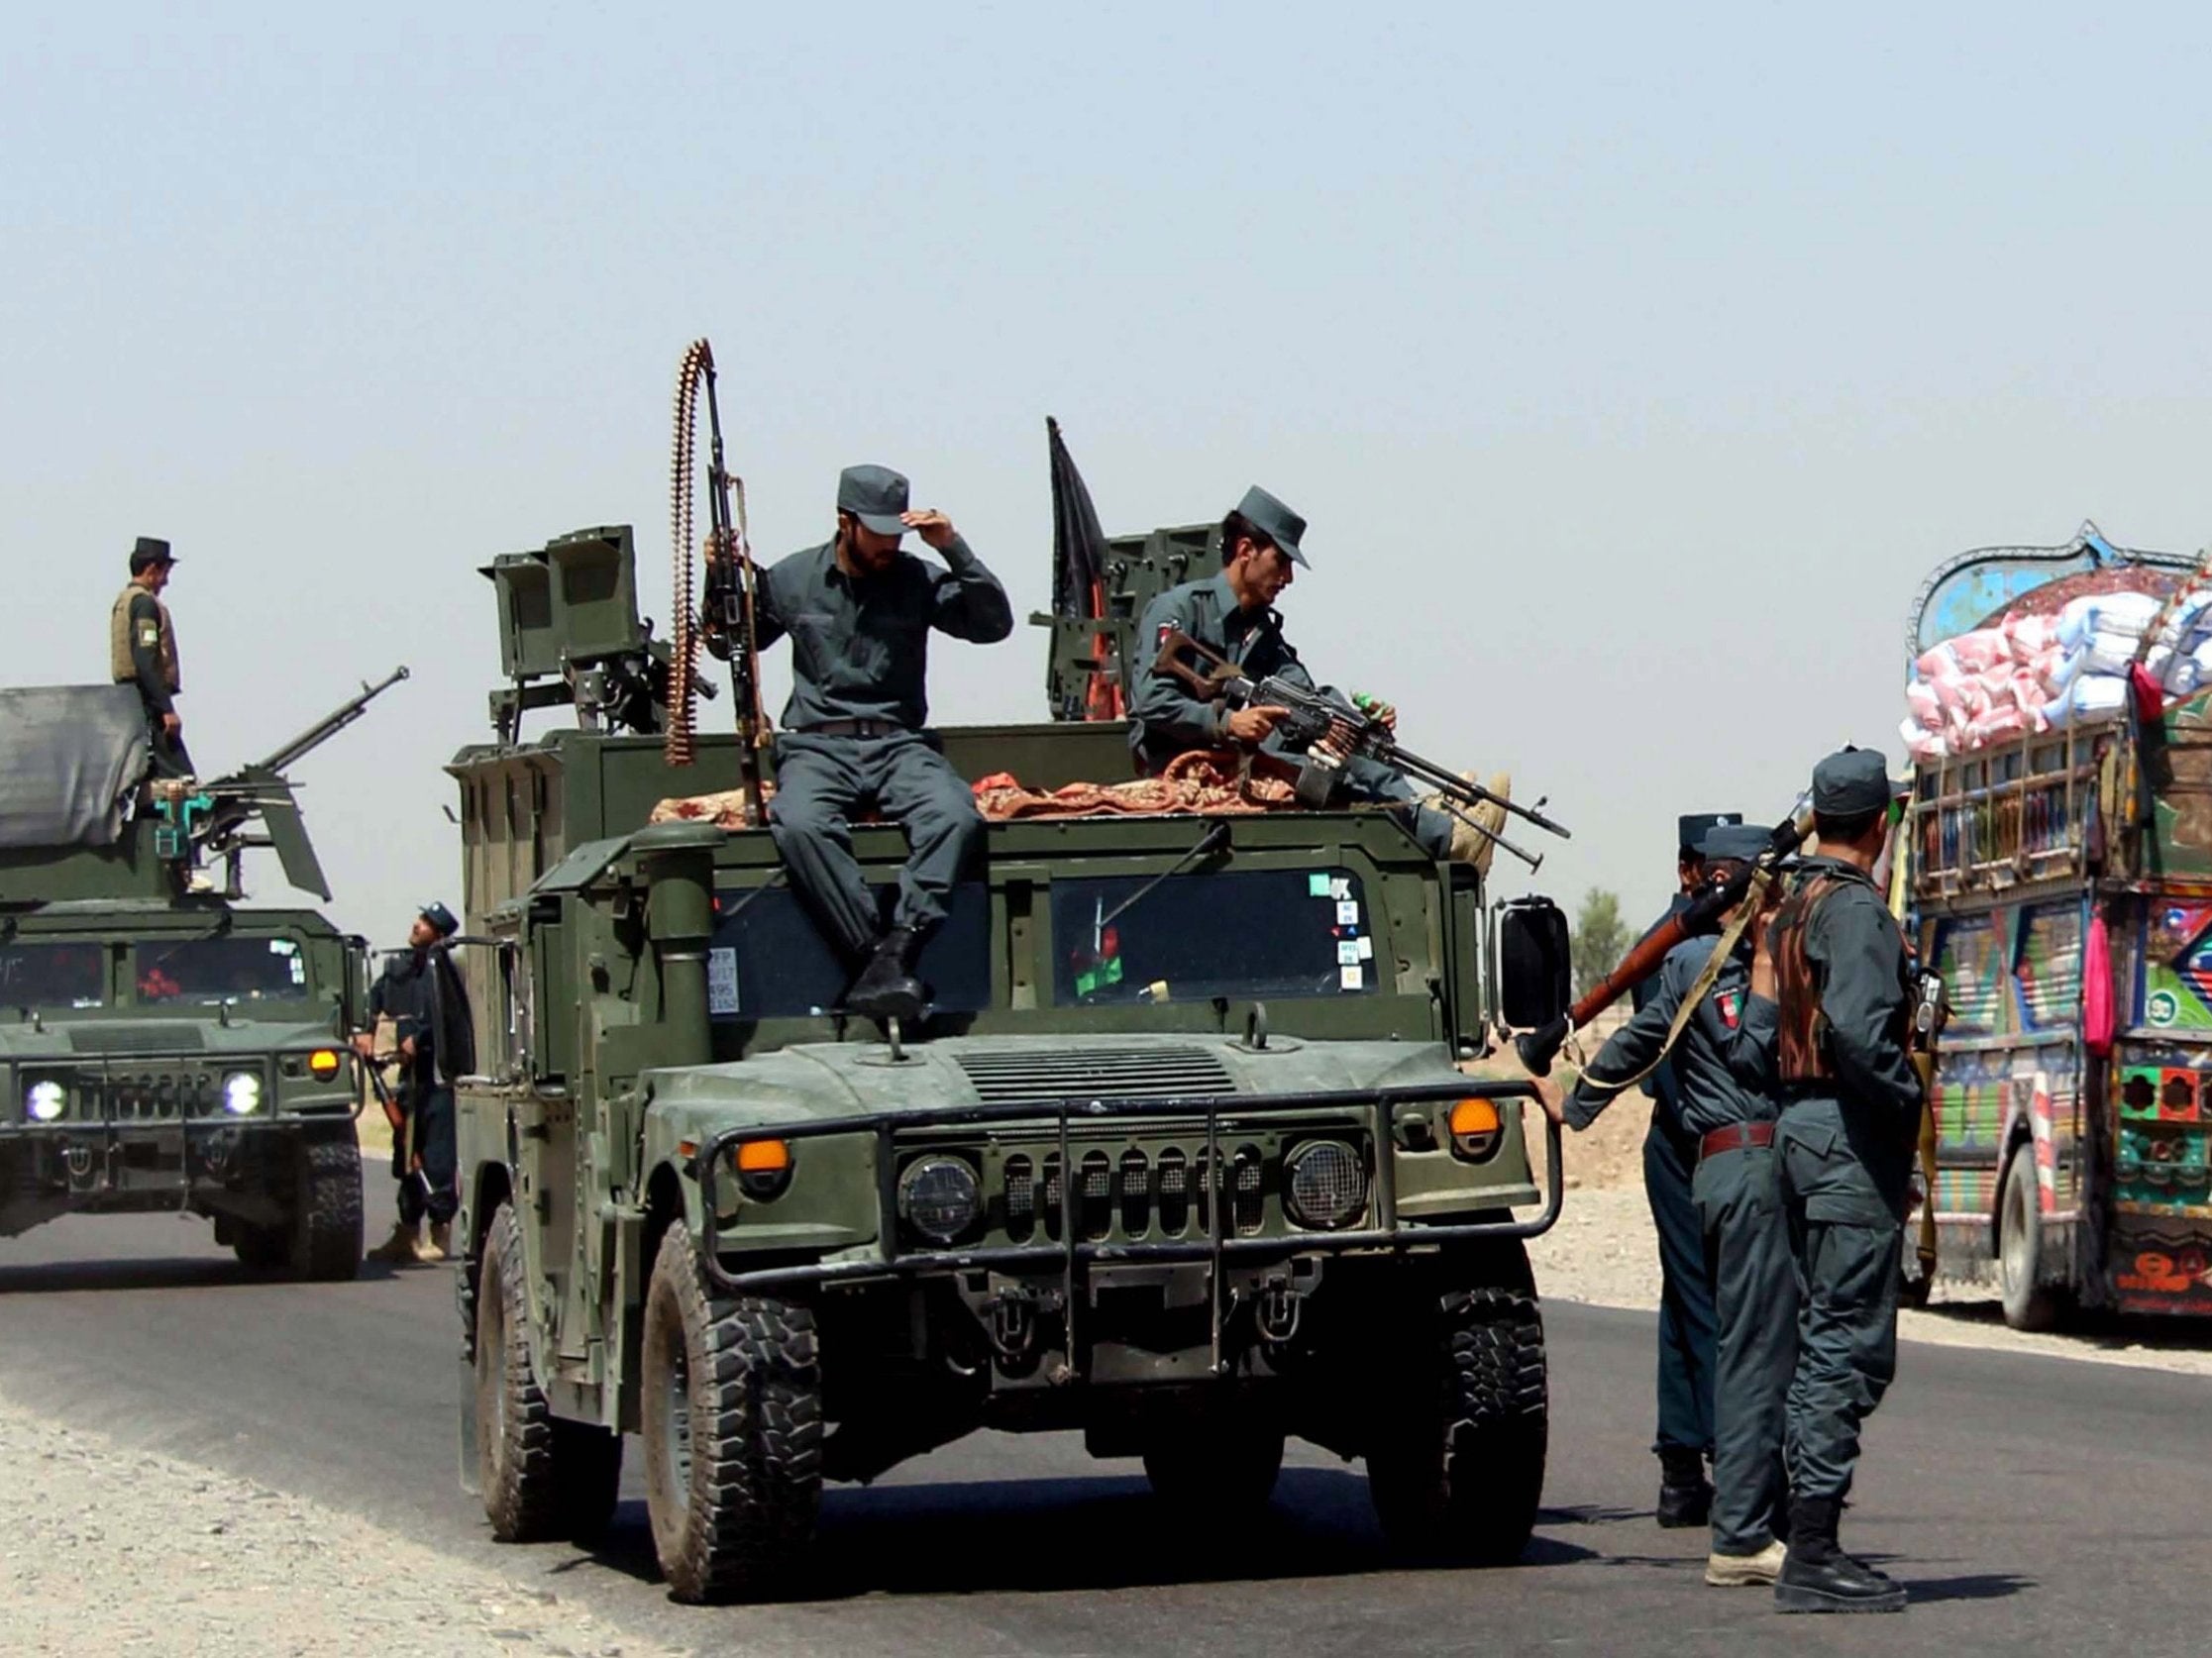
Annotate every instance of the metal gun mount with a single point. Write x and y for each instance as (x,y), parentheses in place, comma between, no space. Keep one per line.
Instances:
(212,818)
(569,636)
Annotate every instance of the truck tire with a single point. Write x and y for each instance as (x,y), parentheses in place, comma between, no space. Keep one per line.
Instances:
(1214,1466)
(543,1476)
(2030,1304)
(732,1408)
(261,1249)
(325,1240)
(1457,1471)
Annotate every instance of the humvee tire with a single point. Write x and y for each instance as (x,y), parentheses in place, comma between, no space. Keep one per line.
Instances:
(325,1241)
(543,1476)
(1458,1472)
(732,1417)
(1215,1465)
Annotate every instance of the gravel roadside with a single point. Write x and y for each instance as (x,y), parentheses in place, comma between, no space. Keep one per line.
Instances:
(113,1550)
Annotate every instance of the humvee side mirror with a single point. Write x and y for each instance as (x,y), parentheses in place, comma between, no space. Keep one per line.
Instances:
(1535,973)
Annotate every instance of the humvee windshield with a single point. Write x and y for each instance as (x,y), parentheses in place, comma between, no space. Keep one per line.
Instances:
(52,976)
(221,968)
(1247,933)
(768,958)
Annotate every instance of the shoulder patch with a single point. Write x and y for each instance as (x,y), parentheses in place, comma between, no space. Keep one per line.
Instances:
(150,633)
(1731,1006)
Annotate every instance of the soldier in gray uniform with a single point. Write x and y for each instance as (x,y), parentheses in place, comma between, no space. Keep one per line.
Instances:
(1724,1096)
(141,652)
(1835,963)
(1233,614)
(859,610)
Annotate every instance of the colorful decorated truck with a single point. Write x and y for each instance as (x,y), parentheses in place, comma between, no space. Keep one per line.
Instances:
(2059,875)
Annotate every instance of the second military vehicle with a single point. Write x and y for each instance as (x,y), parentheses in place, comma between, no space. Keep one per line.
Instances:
(163,1047)
(1182,1158)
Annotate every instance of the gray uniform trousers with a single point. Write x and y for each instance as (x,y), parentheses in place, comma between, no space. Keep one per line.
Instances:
(822,781)
(1371,779)
(1843,1192)
(1747,1253)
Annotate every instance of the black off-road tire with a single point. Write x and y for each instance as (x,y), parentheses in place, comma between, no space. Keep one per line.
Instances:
(733,1407)
(1214,1467)
(543,1476)
(1457,1473)
(2029,1302)
(324,1244)
(261,1249)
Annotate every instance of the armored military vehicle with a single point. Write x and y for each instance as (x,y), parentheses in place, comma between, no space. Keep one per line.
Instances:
(1181,1157)
(164,1047)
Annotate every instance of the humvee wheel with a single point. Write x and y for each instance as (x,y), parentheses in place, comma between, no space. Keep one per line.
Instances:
(1458,1470)
(325,1236)
(1216,1466)
(732,1408)
(542,1477)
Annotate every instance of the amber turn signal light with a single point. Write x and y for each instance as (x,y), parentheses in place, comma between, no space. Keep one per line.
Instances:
(322,1064)
(1475,1129)
(763,1168)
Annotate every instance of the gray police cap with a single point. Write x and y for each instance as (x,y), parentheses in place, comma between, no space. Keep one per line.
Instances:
(875,495)
(1268,515)
(1851,784)
(1690,828)
(1737,843)
(443,921)
(151,551)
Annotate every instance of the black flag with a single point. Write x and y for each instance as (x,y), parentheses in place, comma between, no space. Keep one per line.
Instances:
(1078,544)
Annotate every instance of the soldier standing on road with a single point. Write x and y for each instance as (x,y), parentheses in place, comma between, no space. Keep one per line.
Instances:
(1836,963)
(1233,614)
(859,610)
(1687,1323)
(141,652)
(1724,1092)
(421,990)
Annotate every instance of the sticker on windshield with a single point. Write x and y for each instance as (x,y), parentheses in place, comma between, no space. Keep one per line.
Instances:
(1340,887)
(1366,949)
(1347,912)
(1352,978)
(1347,952)
(1317,886)
(721,981)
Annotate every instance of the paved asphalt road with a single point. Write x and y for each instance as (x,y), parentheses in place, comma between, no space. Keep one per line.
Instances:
(2032,1505)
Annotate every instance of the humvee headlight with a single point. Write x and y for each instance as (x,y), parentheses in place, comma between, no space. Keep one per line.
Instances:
(1476,1130)
(322,1064)
(46,1100)
(1325,1184)
(939,1197)
(241,1094)
(763,1168)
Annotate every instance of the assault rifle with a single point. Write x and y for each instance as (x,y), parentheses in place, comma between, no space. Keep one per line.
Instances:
(1340,732)
(1705,914)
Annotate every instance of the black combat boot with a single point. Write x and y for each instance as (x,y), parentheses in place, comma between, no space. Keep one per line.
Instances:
(887,988)
(1819,1577)
(1685,1494)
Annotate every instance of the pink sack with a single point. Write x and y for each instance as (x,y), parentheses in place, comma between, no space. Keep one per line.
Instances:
(2097,1023)
(1982,648)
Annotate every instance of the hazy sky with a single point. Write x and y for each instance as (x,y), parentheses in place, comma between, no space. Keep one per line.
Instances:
(1632,365)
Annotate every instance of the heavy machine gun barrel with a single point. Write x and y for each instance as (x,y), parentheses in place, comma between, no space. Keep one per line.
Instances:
(1351,732)
(328,726)
(1704,915)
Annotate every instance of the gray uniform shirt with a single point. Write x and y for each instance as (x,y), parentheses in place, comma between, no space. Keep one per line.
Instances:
(1724,1068)
(1165,719)
(860,648)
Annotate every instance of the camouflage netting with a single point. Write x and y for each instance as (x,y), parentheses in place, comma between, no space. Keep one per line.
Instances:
(71,757)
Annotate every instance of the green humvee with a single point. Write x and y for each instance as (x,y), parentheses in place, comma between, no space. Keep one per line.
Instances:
(164,1048)
(1182,1155)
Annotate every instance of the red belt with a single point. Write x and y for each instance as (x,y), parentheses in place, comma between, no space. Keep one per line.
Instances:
(1738,1136)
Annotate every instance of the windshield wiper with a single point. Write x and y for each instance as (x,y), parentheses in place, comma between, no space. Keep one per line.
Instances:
(1214,840)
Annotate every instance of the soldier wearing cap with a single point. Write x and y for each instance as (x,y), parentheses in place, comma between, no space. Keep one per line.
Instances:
(1724,1090)
(1233,615)
(859,610)
(1835,966)
(1687,1323)
(421,991)
(141,652)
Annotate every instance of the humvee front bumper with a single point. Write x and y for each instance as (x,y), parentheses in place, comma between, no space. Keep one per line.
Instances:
(1386,1231)
(115,1162)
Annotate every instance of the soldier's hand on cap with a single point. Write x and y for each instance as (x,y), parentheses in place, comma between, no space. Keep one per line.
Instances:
(934,528)
(1251,725)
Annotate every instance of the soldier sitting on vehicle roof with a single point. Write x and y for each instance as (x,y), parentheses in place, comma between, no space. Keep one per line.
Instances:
(859,612)
(1233,614)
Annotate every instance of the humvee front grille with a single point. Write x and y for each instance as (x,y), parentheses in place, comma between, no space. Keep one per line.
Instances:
(168,1093)
(1137,1197)
(1049,1076)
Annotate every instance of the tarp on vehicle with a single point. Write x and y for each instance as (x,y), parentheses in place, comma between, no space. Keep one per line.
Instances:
(70,759)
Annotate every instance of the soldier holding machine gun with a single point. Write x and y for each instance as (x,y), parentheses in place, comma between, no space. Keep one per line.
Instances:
(1223,675)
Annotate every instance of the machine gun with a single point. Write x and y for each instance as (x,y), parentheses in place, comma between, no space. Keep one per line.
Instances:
(1705,914)
(1341,733)
(212,818)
